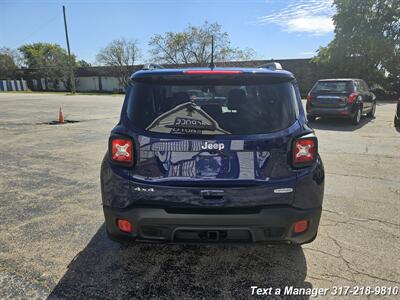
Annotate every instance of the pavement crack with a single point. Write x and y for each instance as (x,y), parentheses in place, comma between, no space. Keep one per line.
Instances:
(332,212)
(335,276)
(319,278)
(335,223)
(368,219)
(374,277)
(374,220)
(340,252)
(322,252)
(354,271)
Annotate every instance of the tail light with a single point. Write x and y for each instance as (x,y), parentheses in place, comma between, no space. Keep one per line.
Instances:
(121,150)
(353,97)
(305,150)
(310,98)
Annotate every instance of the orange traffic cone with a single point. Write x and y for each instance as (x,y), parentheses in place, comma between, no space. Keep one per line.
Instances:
(61,116)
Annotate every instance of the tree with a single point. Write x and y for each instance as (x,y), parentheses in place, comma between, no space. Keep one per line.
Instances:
(236,54)
(366,42)
(48,61)
(120,54)
(83,63)
(10,61)
(193,45)
(7,66)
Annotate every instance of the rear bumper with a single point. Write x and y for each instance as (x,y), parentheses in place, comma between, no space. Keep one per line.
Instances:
(273,224)
(347,111)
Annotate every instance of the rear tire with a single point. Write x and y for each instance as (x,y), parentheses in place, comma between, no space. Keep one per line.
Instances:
(371,114)
(357,117)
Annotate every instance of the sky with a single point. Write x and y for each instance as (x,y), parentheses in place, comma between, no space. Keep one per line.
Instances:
(277,29)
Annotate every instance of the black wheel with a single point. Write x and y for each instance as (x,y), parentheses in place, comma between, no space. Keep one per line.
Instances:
(396,122)
(311,118)
(371,114)
(357,117)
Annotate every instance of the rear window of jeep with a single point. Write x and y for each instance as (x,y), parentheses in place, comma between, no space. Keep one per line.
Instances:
(195,108)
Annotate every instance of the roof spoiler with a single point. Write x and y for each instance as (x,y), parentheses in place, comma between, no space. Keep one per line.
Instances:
(152,66)
(273,66)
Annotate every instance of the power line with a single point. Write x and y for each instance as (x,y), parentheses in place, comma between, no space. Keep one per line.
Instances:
(38,29)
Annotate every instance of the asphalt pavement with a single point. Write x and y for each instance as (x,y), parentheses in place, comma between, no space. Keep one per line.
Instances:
(53,242)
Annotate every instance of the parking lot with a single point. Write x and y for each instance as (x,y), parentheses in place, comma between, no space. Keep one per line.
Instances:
(52,237)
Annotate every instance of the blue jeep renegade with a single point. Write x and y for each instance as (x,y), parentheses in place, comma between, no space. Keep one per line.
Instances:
(212,155)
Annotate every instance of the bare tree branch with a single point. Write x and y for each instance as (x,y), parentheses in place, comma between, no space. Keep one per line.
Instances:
(193,45)
(120,54)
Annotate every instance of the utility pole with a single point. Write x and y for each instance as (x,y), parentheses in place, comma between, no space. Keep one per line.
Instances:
(71,68)
(212,65)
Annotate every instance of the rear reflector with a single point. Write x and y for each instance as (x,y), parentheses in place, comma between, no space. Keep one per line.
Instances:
(212,72)
(121,150)
(300,226)
(304,151)
(124,225)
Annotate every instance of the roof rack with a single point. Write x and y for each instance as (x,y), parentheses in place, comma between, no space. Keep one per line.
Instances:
(273,66)
(152,66)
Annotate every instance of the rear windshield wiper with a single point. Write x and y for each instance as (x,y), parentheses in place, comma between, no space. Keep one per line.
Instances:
(197,127)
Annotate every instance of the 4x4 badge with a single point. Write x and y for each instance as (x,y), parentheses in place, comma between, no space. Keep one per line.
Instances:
(283,190)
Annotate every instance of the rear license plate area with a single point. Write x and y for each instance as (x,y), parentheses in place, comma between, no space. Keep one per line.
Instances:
(208,166)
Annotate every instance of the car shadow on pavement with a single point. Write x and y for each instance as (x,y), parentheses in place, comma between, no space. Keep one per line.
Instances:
(105,269)
(338,124)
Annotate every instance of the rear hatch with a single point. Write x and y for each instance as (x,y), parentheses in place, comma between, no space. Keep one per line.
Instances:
(331,94)
(229,134)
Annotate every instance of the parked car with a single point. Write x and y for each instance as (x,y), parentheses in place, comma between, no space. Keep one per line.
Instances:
(397,115)
(348,98)
(246,169)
